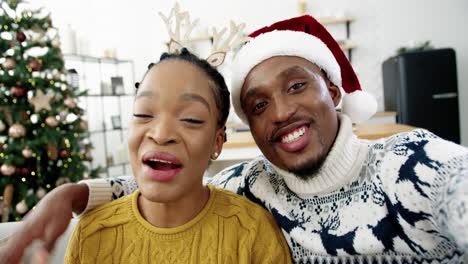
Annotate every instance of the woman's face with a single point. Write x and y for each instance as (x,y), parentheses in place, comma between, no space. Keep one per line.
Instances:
(174,131)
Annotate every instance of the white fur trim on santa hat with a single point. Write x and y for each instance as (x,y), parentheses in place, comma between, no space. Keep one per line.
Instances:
(359,106)
(280,43)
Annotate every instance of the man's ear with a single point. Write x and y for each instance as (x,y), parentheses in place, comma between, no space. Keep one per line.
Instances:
(335,93)
(219,141)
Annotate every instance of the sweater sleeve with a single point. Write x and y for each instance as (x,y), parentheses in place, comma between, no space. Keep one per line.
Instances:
(102,191)
(451,208)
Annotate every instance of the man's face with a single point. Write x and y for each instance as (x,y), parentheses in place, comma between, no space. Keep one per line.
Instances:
(290,106)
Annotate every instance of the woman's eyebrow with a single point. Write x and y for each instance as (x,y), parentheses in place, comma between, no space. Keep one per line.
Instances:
(195,98)
(145,94)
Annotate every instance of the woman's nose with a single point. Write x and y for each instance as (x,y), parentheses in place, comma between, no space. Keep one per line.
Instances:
(162,131)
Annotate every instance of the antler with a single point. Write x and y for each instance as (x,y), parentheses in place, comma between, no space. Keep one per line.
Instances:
(182,22)
(220,48)
(330,223)
(234,39)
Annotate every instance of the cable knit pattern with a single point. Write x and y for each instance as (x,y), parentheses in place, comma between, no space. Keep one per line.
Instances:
(230,229)
(402,199)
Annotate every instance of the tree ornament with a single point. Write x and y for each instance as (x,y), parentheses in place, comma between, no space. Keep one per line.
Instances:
(56,43)
(9,64)
(20,36)
(65,153)
(2,126)
(18,91)
(21,207)
(62,180)
(17,130)
(69,102)
(41,101)
(40,193)
(52,151)
(22,171)
(7,198)
(63,115)
(27,153)
(88,156)
(51,121)
(84,125)
(7,169)
(35,65)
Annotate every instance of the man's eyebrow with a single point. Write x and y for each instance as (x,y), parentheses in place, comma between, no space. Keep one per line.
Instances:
(251,92)
(292,70)
(285,73)
(196,98)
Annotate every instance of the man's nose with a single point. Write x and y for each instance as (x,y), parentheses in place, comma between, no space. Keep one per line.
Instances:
(282,110)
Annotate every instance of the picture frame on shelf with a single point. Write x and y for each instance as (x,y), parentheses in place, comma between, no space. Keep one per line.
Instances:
(117,84)
(116,122)
(106,88)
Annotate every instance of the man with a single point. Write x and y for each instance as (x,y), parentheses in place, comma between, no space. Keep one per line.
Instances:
(337,198)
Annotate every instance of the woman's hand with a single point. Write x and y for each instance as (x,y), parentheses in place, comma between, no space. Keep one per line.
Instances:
(45,223)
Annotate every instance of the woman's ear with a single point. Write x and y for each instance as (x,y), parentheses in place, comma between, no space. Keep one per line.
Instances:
(219,141)
(335,93)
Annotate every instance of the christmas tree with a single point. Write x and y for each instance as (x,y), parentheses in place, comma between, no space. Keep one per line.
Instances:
(43,138)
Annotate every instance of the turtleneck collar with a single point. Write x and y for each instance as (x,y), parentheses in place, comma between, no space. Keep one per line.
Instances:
(343,163)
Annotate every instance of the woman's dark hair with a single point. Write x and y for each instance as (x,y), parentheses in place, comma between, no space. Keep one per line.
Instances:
(220,90)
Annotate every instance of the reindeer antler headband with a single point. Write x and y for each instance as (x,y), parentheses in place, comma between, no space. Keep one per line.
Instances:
(178,21)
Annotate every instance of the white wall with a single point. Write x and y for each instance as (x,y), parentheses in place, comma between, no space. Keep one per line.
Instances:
(136,31)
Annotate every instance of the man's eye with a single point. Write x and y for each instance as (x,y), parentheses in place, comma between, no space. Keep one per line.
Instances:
(192,121)
(258,107)
(297,86)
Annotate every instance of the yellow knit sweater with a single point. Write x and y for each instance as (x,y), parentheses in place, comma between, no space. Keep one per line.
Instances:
(230,229)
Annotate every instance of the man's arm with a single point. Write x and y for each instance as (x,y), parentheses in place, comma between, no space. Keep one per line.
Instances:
(102,191)
(451,208)
(231,178)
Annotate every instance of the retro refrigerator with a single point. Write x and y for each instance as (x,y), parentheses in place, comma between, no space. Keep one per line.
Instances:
(422,88)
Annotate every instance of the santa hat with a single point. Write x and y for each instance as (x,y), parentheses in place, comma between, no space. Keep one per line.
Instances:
(306,38)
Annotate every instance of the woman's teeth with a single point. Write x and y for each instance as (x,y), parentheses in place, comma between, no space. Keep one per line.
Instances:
(162,161)
(293,136)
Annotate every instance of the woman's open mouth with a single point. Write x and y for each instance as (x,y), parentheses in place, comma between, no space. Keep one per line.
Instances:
(161,166)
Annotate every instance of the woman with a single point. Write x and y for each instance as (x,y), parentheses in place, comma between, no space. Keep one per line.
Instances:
(179,115)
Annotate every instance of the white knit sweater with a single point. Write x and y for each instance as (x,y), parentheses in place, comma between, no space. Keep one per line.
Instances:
(403,199)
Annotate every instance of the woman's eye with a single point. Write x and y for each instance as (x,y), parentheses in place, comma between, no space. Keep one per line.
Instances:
(192,121)
(142,116)
(297,86)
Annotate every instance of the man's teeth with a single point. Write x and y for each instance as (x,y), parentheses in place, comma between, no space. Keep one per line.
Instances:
(293,136)
(162,161)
